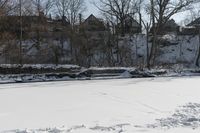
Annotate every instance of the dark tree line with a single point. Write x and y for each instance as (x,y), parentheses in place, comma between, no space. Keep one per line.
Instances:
(151,13)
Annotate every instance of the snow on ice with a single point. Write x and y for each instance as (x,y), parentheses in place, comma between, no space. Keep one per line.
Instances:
(161,105)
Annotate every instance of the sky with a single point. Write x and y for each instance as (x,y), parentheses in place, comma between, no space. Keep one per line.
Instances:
(91,9)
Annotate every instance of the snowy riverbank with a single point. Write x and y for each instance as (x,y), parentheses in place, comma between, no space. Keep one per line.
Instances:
(44,73)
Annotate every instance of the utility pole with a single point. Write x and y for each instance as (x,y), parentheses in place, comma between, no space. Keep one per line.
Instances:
(21,33)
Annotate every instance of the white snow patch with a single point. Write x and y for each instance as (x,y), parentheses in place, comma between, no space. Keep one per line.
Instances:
(126,74)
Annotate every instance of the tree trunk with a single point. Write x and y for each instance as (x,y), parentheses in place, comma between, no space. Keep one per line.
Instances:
(136,53)
(147,34)
(122,28)
(153,46)
(198,57)
(21,34)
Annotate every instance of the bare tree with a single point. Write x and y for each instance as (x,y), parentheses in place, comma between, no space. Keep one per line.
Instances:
(165,9)
(26,6)
(115,12)
(153,45)
(147,26)
(70,9)
(7,6)
(62,7)
(118,9)
(161,11)
(43,6)
(3,6)
(37,6)
(47,6)
(76,7)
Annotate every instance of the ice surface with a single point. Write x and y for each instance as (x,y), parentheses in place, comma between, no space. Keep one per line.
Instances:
(107,106)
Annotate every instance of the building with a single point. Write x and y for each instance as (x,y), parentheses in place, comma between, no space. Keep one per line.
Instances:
(169,27)
(93,28)
(93,24)
(195,23)
(130,26)
(31,25)
(192,28)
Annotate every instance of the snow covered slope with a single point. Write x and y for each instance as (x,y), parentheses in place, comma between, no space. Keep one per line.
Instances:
(158,105)
(182,49)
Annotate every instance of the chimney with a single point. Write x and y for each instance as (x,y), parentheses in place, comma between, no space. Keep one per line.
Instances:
(41,14)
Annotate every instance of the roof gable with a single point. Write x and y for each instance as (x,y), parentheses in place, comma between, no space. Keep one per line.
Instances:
(92,18)
(195,22)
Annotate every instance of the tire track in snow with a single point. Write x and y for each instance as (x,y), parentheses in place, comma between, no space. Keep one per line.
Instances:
(121,100)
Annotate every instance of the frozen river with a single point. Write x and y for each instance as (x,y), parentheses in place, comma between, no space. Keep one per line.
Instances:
(107,106)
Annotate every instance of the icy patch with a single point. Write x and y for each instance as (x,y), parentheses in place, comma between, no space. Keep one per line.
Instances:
(186,116)
(126,74)
(169,37)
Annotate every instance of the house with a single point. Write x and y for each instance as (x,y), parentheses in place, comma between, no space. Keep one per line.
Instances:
(188,30)
(131,26)
(93,28)
(58,25)
(192,28)
(169,27)
(31,25)
(195,23)
(93,24)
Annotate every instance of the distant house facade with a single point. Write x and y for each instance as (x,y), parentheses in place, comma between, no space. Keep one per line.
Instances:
(131,26)
(32,24)
(169,27)
(93,24)
(195,23)
(192,28)
(12,23)
(94,28)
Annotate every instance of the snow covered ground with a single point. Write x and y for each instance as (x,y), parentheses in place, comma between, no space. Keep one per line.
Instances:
(154,105)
